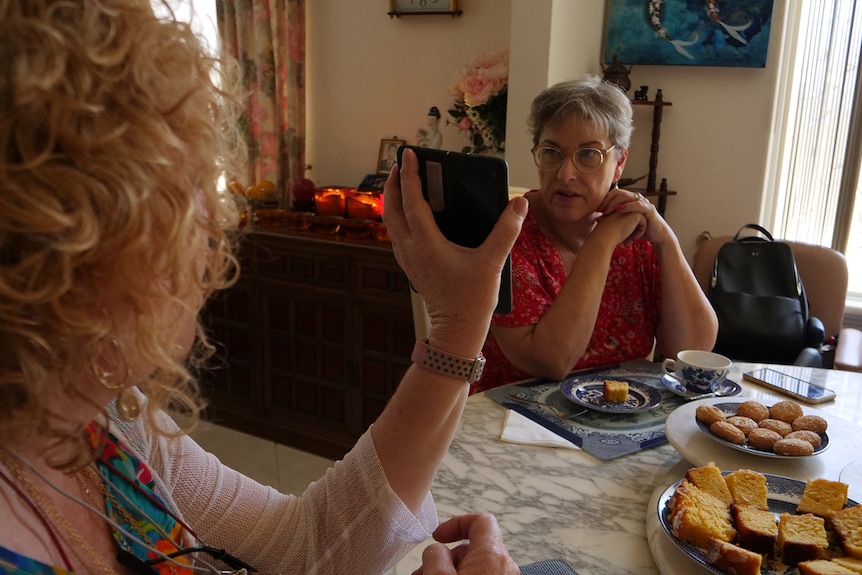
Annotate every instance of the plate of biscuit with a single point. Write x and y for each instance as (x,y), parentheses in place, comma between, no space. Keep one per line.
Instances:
(617,395)
(746,522)
(781,431)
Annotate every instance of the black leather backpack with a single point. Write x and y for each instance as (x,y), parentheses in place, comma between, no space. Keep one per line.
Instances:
(760,301)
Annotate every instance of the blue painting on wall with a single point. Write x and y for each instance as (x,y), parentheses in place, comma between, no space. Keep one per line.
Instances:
(688,32)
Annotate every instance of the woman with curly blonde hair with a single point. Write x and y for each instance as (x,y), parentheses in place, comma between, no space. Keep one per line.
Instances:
(112,235)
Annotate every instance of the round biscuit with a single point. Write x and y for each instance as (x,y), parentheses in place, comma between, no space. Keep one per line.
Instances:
(796,447)
(709,414)
(811,437)
(763,438)
(785,411)
(813,423)
(782,428)
(746,424)
(754,410)
(728,432)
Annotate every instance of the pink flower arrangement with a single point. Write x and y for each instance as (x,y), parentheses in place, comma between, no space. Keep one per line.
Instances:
(480,89)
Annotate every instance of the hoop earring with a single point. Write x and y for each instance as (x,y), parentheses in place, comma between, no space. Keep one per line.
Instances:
(615,185)
(128,406)
(103,375)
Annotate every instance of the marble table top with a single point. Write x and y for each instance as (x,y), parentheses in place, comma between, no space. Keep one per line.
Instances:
(600,516)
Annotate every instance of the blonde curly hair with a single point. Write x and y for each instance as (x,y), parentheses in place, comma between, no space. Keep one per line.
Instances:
(114,132)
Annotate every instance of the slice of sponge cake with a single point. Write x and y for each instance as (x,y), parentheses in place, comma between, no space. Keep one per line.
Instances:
(708,477)
(823,497)
(847,525)
(801,538)
(756,529)
(696,516)
(748,487)
(616,390)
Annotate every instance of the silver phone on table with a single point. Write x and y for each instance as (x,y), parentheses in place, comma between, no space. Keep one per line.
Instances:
(789,385)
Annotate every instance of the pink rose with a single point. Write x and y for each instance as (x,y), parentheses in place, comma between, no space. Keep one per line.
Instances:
(477,90)
(464,124)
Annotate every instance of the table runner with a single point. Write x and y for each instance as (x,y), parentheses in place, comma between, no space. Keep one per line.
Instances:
(603,435)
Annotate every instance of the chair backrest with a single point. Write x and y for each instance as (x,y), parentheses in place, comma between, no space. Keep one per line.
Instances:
(823,271)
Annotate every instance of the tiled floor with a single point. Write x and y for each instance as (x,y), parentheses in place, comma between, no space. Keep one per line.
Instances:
(287,469)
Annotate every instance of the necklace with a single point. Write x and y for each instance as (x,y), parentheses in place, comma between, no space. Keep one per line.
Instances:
(73,538)
(130,519)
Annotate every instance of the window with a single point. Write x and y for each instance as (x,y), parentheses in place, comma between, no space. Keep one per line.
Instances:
(815,168)
(201,13)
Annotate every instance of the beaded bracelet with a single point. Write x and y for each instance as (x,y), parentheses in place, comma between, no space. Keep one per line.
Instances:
(438,361)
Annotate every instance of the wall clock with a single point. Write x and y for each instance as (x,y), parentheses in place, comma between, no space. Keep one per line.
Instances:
(417,7)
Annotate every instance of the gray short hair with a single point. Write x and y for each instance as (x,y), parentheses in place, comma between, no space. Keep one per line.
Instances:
(589,97)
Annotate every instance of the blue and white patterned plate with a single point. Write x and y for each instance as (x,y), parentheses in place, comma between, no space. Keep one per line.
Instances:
(590,392)
(783,495)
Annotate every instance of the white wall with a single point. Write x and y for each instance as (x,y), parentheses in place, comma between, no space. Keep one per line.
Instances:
(372,77)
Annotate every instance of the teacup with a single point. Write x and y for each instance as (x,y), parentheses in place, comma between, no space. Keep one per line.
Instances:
(700,371)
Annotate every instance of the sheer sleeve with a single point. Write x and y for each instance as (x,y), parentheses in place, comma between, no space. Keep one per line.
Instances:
(350,521)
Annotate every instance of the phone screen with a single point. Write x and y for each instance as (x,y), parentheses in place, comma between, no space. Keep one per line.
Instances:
(467,193)
(793,385)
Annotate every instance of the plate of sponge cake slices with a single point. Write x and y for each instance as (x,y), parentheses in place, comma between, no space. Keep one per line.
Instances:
(744,522)
(617,395)
(781,431)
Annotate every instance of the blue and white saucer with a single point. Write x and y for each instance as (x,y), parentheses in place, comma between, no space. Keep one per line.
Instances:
(726,389)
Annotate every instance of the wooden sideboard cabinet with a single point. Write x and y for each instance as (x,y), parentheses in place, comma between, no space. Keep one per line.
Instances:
(311,341)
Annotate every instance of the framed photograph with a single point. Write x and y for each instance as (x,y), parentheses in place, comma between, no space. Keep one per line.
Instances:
(422,6)
(388,155)
(684,33)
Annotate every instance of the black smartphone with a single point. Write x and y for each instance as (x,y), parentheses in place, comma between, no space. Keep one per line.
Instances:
(467,194)
(789,385)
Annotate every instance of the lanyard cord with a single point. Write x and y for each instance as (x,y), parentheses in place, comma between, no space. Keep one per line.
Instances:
(152,498)
(103,438)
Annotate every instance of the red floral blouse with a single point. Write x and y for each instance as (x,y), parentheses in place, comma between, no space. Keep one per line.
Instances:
(628,313)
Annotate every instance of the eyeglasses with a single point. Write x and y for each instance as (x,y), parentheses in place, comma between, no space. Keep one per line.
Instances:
(549,159)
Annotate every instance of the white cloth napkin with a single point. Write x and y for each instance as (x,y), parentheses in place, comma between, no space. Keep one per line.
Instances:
(520,429)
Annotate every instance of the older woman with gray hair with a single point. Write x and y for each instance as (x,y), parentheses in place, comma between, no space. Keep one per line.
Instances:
(599,275)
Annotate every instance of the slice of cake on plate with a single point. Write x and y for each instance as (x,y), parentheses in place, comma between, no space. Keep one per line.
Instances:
(756,529)
(732,558)
(748,488)
(801,538)
(709,478)
(617,391)
(822,567)
(847,525)
(823,497)
(696,516)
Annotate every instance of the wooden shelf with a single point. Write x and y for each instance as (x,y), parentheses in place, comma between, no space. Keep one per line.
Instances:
(651,103)
(653,190)
(655,193)
(453,13)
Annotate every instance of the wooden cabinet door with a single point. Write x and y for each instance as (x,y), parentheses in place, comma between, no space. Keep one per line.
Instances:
(328,336)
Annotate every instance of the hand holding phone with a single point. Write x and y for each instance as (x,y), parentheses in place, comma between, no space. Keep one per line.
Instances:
(788,385)
(467,193)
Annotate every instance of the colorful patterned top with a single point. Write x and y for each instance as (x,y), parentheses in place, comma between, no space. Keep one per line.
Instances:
(349,521)
(628,313)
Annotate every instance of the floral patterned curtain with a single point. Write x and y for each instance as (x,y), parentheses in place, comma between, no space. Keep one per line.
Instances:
(267,37)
